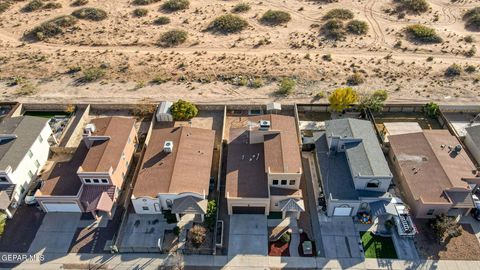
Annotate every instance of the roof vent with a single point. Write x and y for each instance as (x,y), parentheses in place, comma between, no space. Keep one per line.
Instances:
(458,148)
(89,129)
(168,147)
(264,125)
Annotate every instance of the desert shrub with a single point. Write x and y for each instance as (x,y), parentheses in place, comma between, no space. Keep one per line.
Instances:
(26,89)
(471,52)
(4,6)
(140,12)
(173,38)
(144,2)
(74,69)
(327,57)
(445,228)
(228,24)
(257,83)
(357,27)
(78,3)
(33,6)
(162,20)
(142,110)
(453,71)
(52,27)
(423,34)
(470,69)
(285,238)
(355,79)
(241,7)
(414,6)
(275,17)
(333,29)
(93,74)
(52,5)
(183,110)
(287,86)
(374,101)
(159,79)
(175,5)
(339,13)
(91,14)
(469,39)
(197,235)
(473,23)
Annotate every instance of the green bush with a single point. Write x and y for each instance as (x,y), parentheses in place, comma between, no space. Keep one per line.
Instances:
(161,20)
(431,109)
(93,74)
(333,29)
(144,2)
(183,110)
(285,238)
(91,14)
(140,12)
(52,5)
(275,17)
(469,39)
(241,7)
(52,27)
(453,71)
(357,27)
(78,3)
(175,5)
(287,86)
(355,79)
(211,216)
(423,34)
(415,6)
(339,13)
(257,83)
(173,38)
(4,6)
(473,23)
(33,6)
(228,24)
(470,69)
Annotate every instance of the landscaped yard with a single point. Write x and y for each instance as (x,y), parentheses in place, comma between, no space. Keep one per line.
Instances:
(281,247)
(377,247)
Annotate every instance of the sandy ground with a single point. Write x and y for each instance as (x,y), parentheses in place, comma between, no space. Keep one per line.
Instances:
(202,69)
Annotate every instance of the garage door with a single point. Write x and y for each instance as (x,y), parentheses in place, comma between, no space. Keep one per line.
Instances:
(62,207)
(248,210)
(342,211)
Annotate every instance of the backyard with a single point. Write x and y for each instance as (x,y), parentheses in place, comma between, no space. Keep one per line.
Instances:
(377,246)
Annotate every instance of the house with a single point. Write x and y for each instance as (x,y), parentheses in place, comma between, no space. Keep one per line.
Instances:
(91,179)
(472,141)
(24,150)
(434,173)
(354,171)
(175,172)
(264,167)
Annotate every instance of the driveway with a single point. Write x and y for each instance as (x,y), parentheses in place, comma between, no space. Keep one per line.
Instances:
(55,233)
(20,231)
(341,238)
(248,235)
(405,247)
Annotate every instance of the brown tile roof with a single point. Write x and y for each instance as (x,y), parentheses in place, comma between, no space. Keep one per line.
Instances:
(276,191)
(97,197)
(247,164)
(62,179)
(186,169)
(105,154)
(428,168)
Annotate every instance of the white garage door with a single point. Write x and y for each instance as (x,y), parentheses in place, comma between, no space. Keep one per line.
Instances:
(342,211)
(62,207)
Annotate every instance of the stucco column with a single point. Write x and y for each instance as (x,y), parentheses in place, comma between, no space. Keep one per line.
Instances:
(284,214)
(9,214)
(178,217)
(203,217)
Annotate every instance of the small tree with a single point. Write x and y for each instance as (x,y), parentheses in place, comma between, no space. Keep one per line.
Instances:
(431,109)
(197,235)
(183,110)
(445,228)
(342,98)
(211,216)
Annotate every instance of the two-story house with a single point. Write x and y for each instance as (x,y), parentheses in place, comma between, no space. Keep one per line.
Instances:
(24,149)
(175,172)
(264,167)
(354,171)
(90,181)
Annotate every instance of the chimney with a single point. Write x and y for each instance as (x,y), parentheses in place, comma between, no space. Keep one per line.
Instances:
(168,147)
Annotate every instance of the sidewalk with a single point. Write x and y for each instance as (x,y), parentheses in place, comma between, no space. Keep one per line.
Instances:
(153,261)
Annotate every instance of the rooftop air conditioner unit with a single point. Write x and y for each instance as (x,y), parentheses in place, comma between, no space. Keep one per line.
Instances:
(264,125)
(90,128)
(168,147)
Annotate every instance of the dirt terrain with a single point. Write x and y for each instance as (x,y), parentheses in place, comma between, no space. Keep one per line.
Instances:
(212,67)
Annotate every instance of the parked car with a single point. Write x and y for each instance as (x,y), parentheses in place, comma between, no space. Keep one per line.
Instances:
(30,197)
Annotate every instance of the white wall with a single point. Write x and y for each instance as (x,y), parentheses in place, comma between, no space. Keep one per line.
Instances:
(472,148)
(161,200)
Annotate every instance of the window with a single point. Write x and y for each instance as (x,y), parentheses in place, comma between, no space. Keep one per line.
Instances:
(30,174)
(275,182)
(3,179)
(284,182)
(373,184)
(123,155)
(104,181)
(127,163)
(123,175)
(96,181)
(169,203)
(129,141)
(145,208)
(30,153)
(40,139)
(87,180)
(430,212)
(37,164)
(292,182)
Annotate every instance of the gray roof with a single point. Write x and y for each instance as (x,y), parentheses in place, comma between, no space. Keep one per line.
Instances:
(189,204)
(474,133)
(336,178)
(27,129)
(365,157)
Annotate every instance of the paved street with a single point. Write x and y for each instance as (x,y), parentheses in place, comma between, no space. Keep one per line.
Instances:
(248,235)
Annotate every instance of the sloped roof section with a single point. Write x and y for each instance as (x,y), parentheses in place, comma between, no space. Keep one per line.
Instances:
(190,204)
(291,205)
(474,132)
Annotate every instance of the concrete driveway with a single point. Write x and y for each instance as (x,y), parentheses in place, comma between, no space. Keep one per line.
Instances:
(248,235)
(55,233)
(341,238)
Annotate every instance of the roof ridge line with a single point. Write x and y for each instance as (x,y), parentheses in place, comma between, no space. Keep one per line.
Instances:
(104,149)
(175,152)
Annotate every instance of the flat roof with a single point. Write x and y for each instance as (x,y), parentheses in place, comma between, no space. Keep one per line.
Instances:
(105,154)
(27,129)
(428,165)
(186,169)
